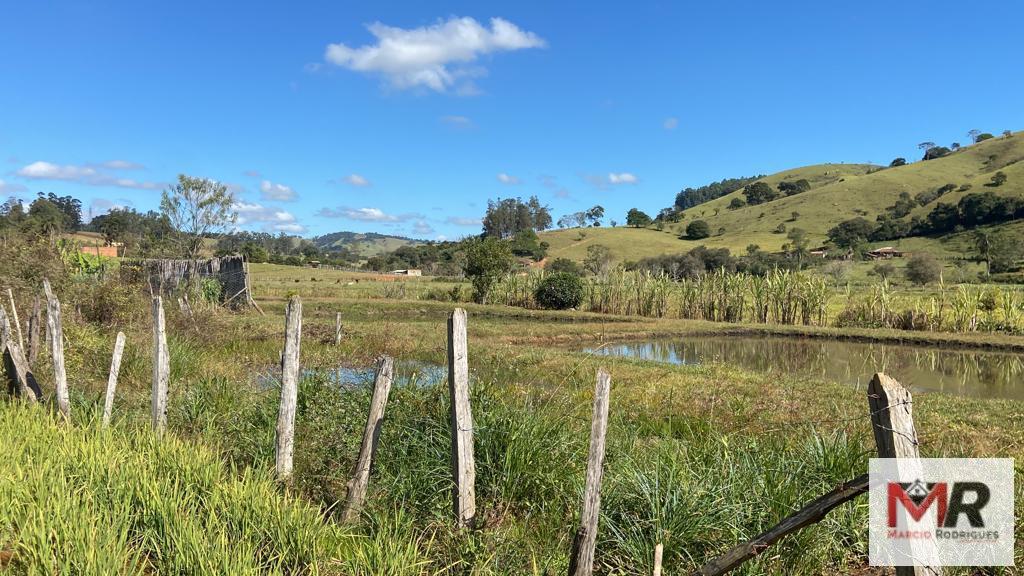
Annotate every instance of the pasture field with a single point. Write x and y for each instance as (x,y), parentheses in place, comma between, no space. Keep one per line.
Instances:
(699,457)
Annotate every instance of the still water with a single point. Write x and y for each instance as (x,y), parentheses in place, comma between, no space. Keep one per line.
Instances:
(982,374)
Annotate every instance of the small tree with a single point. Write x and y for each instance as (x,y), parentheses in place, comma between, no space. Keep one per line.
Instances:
(736,203)
(923,269)
(598,260)
(898,162)
(999,178)
(487,260)
(637,218)
(197,208)
(973,134)
(697,230)
(884,270)
(563,265)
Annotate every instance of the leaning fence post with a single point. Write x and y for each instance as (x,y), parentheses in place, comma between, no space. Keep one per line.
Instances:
(581,563)
(21,382)
(337,329)
(361,477)
(17,322)
(892,421)
(161,367)
(5,329)
(463,466)
(56,334)
(289,389)
(115,369)
(659,551)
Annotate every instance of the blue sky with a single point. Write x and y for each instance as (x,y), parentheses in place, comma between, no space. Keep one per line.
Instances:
(407,117)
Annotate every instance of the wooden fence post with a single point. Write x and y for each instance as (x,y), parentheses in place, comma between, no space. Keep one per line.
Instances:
(161,367)
(6,335)
(289,389)
(337,329)
(659,551)
(56,333)
(33,331)
(361,477)
(463,465)
(892,421)
(14,316)
(115,369)
(21,382)
(581,562)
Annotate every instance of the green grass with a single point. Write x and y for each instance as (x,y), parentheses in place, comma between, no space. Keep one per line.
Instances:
(838,192)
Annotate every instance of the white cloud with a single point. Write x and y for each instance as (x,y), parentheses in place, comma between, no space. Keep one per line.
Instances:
(276,192)
(421,228)
(622,178)
(367,215)
(11,187)
(508,179)
(435,57)
(457,121)
(458,221)
(252,173)
(671,123)
(356,180)
(270,217)
(86,174)
(121,165)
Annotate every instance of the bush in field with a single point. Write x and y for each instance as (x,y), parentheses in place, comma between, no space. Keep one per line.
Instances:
(923,269)
(697,230)
(564,265)
(487,260)
(560,291)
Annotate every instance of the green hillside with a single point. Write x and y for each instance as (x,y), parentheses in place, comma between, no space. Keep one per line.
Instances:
(363,244)
(838,192)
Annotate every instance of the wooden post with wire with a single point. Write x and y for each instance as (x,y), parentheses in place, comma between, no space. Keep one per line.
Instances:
(14,317)
(56,334)
(285,439)
(581,561)
(337,329)
(463,465)
(115,370)
(892,420)
(34,321)
(371,435)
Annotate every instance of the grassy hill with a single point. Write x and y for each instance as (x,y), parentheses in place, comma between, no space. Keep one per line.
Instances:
(838,192)
(364,244)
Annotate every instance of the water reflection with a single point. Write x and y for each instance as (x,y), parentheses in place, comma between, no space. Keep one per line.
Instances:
(981,374)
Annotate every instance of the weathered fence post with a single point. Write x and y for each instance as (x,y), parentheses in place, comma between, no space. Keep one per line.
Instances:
(463,466)
(33,331)
(337,329)
(581,562)
(56,334)
(115,369)
(361,477)
(161,367)
(14,316)
(5,328)
(892,421)
(289,389)
(659,551)
(20,380)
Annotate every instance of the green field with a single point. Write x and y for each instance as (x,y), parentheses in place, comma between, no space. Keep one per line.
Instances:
(839,192)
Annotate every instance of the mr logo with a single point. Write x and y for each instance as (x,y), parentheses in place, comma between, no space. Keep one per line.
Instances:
(917,497)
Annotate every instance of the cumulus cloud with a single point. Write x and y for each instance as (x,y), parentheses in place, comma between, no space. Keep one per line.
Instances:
(356,180)
(670,123)
(508,179)
(92,175)
(459,221)
(437,57)
(421,228)
(271,218)
(366,214)
(276,192)
(11,187)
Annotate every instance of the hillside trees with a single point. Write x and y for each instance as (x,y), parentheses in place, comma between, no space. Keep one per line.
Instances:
(487,260)
(759,193)
(598,260)
(637,219)
(898,162)
(690,197)
(998,179)
(697,230)
(507,217)
(790,188)
(851,233)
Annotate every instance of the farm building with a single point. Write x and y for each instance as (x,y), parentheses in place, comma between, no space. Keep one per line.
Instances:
(885,253)
(409,272)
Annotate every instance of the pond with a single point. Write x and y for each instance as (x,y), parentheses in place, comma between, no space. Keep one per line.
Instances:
(977,373)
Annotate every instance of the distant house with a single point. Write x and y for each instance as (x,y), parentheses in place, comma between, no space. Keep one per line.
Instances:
(819,253)
(314,263)
(885,253)
(409,272)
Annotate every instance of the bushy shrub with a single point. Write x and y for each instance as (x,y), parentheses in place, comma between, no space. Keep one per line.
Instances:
(560,291)
(697,230)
